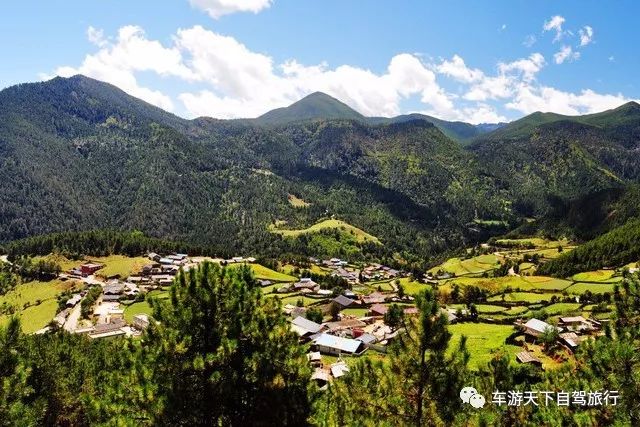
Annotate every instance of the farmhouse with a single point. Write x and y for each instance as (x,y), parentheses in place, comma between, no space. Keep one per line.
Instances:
(305,327)
(378,310)
(331,344)
(536,327)
(571,340)
(74,300)
(90,268)
(343,301)
(306,283)
(575,323)
(373,298)
(140,321)
(526,357)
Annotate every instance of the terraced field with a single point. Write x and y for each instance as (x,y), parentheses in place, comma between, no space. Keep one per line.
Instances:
(361,235)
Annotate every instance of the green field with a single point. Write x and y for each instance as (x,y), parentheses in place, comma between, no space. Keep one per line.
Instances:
(293,300)
(142,307)
(358,312)
(119,265)
(475,265)
(483,340)
(36,316)
(523,283)
(606,276)
(482,308)
(411,287)
(596,288)
(264,273)
(562,308)
(361,236)
(529,297)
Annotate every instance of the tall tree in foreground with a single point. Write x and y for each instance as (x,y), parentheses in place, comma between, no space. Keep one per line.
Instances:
(224,355)
(419,385)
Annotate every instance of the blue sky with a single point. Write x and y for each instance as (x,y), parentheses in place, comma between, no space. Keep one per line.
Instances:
(458,60)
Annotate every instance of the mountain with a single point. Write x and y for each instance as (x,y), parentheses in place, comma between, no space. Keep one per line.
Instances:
(78,154)
(320,106)
(316,106)
(545,155)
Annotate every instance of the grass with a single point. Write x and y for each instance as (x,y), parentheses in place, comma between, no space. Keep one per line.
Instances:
(483,340)
(596,288)
(142,307)
(561,308)
(384,285)
(522,283)
(358,312)
(361,236)
(36,316)
(293,300)
(475,265)
(411,287)
(264,273)
(529,297)
(516,311)
(297,202)
(606,276)
(482,308)
(119,265)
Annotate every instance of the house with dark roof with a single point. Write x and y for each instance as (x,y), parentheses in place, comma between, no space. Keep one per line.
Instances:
(305,327)
(343,301)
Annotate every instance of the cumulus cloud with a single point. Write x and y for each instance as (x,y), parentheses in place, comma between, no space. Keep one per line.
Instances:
(218,8)
(586,35)
(554,24)
(527,67)
(566,53)
(221,77)
(529,99)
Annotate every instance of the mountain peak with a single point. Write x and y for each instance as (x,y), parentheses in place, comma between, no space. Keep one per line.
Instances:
(315,106)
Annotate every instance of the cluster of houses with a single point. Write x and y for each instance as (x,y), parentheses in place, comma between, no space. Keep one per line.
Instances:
(371,272)
(349,335)
(572,330)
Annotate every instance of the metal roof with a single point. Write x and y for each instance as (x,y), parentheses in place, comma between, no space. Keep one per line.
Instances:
(338,343)
(538,325)
(306,324)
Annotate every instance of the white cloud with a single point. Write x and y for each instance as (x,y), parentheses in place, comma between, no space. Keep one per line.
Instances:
(612,58)
(530,99)
(218,8)
(554,24)
(221,77)
(117,62)
(586,35)
(503,27)
(457,69)
(96,36)
(564,54)
(527,67)
(529,41)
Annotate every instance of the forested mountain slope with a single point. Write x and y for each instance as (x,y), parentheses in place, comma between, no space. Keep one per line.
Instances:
(78,154)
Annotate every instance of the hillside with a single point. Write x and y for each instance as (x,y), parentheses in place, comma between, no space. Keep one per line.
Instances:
(78,154)
(616,248)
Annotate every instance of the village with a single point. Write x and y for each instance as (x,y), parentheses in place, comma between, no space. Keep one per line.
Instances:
(344,311)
